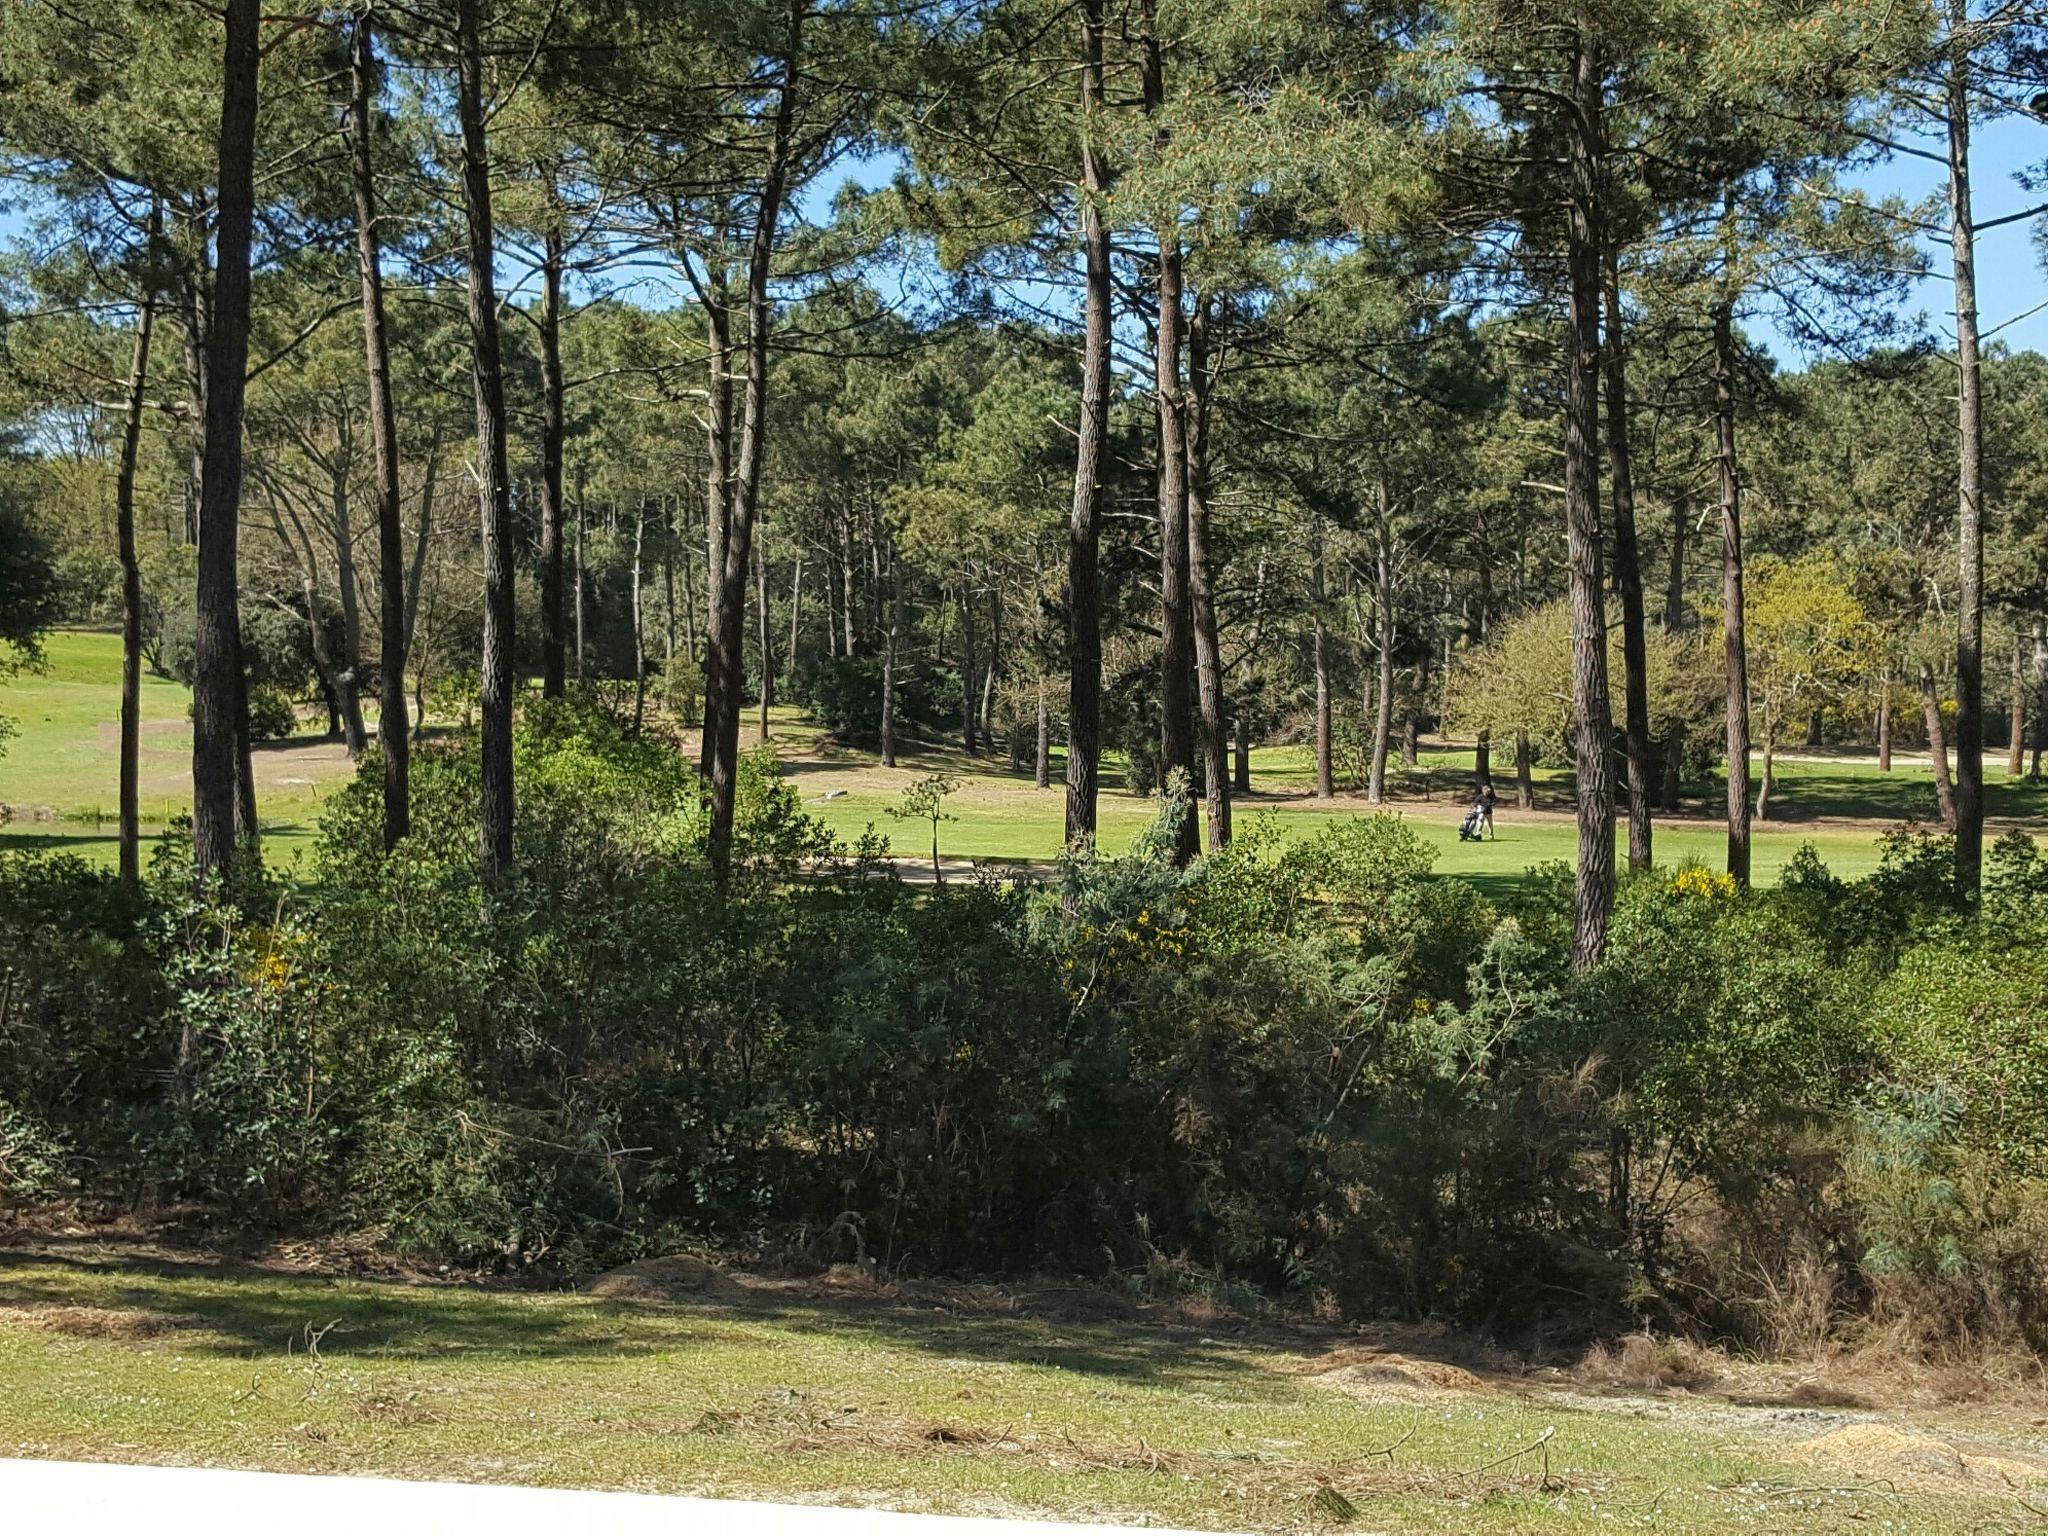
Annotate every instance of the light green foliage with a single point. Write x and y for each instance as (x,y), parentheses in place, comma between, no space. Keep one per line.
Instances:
(1811,644)
(1520,680)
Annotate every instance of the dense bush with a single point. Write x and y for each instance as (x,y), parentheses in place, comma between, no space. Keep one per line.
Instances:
(1311,1067)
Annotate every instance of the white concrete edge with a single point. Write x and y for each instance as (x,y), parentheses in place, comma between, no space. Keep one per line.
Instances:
(117,1499)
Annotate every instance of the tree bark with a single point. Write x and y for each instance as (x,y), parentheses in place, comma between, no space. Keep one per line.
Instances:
(553,642)
(891,638)
(796,608)
(348,675)
(1084,527)
(639,627)
(1241,754)
(494,493)
(578,556)
(1884,723)
(1937,747)
(1176,614)
(968,660)
(1734,638)
(2040,698)
(1202,585)
(753,439)
(1525,775)
(717,500)
(765,634)
(223,798)
(988,672)
(131,581)
(394,738)
(1041,767)
(1628,578)
(1326,777)
(1769,780)
(1593,895)
(2016,750)
(1969,788)
(1383,616)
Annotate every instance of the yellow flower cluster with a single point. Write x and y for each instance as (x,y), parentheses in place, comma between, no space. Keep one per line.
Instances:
(271,969)
(1703,883)
(1150,935)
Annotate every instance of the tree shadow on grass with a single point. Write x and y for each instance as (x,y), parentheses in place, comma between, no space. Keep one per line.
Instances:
(240,1311)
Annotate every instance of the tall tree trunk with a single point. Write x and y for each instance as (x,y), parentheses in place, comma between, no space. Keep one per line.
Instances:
(1326,776)
(1674,579)
(1482,760)
(1969,790)
(349,673)
(131,580)
(1385,637)
(668,586)
(796,608)
(849,599)
(1041,765)
(1594,883)
(223,798)
(891,638)
(1734,637)
(580,584)
(1884,722)
(553,670)
(753,439)
(1202,584)
(1176,615)
(828,584)
(766,637)
(717,501)
(494,491)
(416,576)
(394,738)
(2040,698)
(2016,750)
(1769,781)
(639,625)
(1525,776)
(1628,578)
(988,672)
(1937,747)
(1241,753)
(968,660)
(1084,528)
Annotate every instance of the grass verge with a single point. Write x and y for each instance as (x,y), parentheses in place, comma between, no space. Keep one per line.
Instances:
(959,1401)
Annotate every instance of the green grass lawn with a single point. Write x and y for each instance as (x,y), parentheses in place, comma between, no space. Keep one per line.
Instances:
(942,1401)
(58,776)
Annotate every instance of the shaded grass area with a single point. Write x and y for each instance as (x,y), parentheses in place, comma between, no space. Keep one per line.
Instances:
(801,1393)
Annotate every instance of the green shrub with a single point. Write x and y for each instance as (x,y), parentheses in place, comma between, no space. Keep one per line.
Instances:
(1315,1068)
(844,694)
(271,716)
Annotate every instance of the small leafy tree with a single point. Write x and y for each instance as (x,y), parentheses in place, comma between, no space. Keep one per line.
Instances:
(926,801)
(1811,645)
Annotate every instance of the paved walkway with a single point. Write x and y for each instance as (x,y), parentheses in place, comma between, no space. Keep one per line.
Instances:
(87,1499)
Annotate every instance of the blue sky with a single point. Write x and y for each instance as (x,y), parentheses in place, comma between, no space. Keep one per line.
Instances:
(2010,280)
